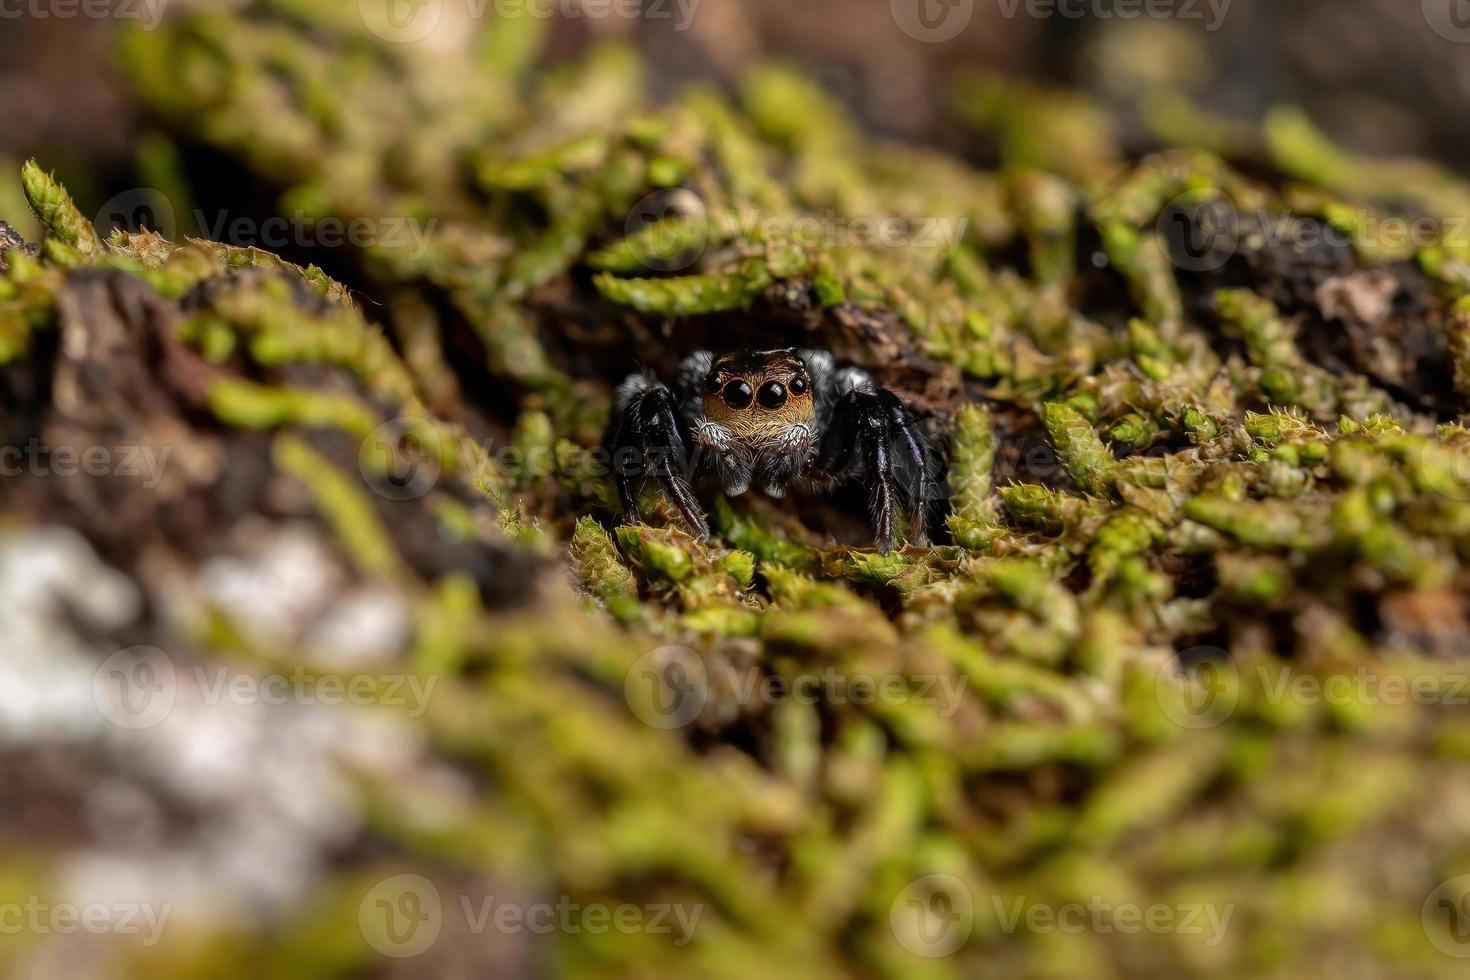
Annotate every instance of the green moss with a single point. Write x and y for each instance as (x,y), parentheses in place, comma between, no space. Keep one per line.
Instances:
(596,563)
(746,533)
(342,503)
(54,208)
(1079,448)
(241,403)
(971,459)
(1077,750)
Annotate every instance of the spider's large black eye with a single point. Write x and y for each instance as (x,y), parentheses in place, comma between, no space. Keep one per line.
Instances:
(772,394)
(798,386)
(738,394)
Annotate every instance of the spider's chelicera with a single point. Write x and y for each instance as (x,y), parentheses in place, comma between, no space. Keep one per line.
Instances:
(775,420)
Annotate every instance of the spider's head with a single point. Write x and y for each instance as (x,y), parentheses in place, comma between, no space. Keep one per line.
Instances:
(757,394)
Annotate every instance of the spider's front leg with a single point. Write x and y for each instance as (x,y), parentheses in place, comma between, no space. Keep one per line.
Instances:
(645,438)
(871,434)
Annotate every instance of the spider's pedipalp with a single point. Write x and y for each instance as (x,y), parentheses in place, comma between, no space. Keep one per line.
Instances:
(734,463)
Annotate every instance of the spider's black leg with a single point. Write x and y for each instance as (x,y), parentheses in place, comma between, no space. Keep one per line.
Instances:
(880,501)
(645,438)
(625,453)
(871,430)
(916,462)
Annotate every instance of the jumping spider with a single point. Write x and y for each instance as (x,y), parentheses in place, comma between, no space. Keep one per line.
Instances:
(776,420)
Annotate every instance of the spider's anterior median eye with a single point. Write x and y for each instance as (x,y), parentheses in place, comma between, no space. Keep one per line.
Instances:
(738,394)
(773,394)
(798,386)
